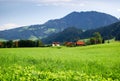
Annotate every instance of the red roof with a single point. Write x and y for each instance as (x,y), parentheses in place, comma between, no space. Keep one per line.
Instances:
(80,43)
(69,43)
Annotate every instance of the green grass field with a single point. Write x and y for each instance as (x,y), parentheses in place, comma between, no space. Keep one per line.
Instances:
(86,63)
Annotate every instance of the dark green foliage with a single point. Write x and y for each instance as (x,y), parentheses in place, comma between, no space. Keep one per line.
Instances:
(9,44)
(21,43)
(103,41)
(39,43)
(30,43)
(96,39)
(70,34)
(107,32)
(26,43)
(118,36)
(92,40)
(3,44)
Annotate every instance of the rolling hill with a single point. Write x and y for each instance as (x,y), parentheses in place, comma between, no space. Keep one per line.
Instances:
(81,20)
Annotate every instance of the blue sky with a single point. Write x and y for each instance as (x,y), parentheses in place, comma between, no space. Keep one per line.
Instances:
(16,13)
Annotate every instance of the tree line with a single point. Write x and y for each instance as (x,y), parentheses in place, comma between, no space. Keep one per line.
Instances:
(95,39)
(21,43)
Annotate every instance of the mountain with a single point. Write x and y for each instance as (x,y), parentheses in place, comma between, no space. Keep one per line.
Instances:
(81,20)
(73,34)
(107,32)
(69,34)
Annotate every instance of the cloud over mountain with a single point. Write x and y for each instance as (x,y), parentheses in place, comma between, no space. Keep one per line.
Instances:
(8,26)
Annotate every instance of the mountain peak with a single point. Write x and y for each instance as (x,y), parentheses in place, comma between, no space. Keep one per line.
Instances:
(74,12)
(81,20)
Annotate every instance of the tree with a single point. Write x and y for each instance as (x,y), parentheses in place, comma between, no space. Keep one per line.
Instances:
(26,43)
(3,45)
(96,39)
(103,41)
(118,37)
(15,44)
(92,40)
(9,44)
(39,43)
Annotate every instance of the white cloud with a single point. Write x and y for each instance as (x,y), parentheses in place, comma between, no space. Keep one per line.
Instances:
(52,2)
(118,10)
(66,3)
(43,1)
(8,26)
(82,4)
(49,1)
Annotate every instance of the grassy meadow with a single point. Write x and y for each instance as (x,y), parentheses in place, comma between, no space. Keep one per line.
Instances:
(86,63)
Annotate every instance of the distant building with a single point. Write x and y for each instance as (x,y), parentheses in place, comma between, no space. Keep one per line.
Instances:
(80,43)
(69,44)
(55,44)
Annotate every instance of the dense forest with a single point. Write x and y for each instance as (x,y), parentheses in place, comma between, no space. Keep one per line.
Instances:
(107,32)
(69,34)
(73,34)
(21,43)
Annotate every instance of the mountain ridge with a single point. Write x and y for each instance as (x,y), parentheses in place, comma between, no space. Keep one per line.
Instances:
(82,20)
(71,34)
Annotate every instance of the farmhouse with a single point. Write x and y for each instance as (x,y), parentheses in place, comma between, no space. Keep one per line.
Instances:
(69,43)
(80,43)
(55,44)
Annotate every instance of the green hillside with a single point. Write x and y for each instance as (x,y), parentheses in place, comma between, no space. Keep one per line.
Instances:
(87,63)
(72,34)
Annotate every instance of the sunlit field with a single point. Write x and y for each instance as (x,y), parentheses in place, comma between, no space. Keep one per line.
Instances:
(86,63)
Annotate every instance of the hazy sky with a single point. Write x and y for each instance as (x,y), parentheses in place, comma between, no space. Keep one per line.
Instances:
(15,13)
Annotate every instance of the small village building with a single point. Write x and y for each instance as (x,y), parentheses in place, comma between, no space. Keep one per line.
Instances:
(69,43)
(55,44)
(80,43)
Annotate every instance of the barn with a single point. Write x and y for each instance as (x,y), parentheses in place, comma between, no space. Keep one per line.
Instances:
(80,43)
(55,44)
